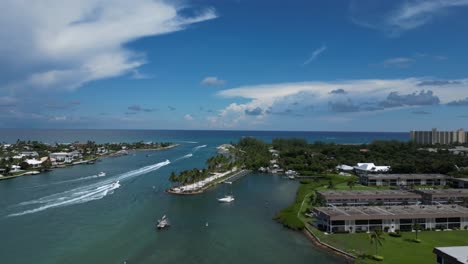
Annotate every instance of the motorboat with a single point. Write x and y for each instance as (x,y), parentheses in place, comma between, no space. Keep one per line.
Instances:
(101,174)
(163,222)
(226,199)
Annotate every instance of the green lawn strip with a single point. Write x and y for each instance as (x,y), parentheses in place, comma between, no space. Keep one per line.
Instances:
(397,250)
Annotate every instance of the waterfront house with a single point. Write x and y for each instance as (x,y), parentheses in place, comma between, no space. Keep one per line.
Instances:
(15,168)
(61,157)
(451,255)
(34,163)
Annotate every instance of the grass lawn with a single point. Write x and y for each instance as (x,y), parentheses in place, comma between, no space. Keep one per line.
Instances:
(397,250)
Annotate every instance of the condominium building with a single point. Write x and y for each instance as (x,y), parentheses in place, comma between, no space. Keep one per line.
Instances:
(367,197)
(403,179)
(439,137)
(389,218)
(444,196)
(451,255)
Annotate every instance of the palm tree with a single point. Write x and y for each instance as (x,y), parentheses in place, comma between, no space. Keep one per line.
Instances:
(416,228)
(351,183)
(376,238)
(173,177)
(331,184)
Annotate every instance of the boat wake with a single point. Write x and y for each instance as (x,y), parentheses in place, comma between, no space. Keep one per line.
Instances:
(184,157)
(66,181)
(198,147)
(86,193)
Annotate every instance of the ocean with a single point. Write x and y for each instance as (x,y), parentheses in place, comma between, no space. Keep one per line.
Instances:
(71,215)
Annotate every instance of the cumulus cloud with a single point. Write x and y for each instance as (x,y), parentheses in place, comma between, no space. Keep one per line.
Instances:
(420,112)
(394,99)
(461,102)
(188,117)
(254,112)
(343,106)
(212,81)
(396,17)
(76,42)
(338,91)
(315,54)
(398,62)
(296,99)
(139,108)
(438,82)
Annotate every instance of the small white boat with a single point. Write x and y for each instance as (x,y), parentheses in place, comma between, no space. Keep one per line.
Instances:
(116,184)
(101,174)
(163,223)
(226,199)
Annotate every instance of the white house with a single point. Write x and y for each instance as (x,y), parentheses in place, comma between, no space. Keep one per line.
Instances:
(29,154)
(15,168)
(60,157)
(370,168)
(344,167)
(34,163)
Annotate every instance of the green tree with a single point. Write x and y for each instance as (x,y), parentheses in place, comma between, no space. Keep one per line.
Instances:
(351,183)
(376,238)
(331,184)
(416,228)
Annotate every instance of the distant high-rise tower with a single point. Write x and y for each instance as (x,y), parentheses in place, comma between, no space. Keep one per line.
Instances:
(434,136)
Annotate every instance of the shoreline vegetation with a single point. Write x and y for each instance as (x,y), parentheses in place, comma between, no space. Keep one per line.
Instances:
(25,158)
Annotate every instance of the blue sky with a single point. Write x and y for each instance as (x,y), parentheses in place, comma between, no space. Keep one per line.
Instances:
(256,65)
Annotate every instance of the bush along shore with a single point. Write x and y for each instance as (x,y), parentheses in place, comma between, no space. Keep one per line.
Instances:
(33,157)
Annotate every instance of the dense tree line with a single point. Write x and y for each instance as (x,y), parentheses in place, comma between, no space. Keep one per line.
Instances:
(252,153)
(403,157)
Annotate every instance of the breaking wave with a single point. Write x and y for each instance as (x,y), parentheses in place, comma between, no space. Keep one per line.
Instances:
(86,193)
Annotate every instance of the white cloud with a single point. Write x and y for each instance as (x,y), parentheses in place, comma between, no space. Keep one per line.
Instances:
(54,44)
(398,62)
(212,81)
(397,18)
(366,95)
(315,54)
(188,117)
(415,14)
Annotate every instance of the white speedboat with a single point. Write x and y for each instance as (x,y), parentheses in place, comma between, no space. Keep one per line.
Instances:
(226,199)
(163,223)
(101,174)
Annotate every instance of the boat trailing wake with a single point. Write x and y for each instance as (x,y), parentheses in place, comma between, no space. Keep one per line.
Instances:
(189,142)
(86,193)
(199,147)
(184,157)
(68,181)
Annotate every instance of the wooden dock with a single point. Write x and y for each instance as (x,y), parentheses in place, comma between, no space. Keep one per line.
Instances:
(236,176)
